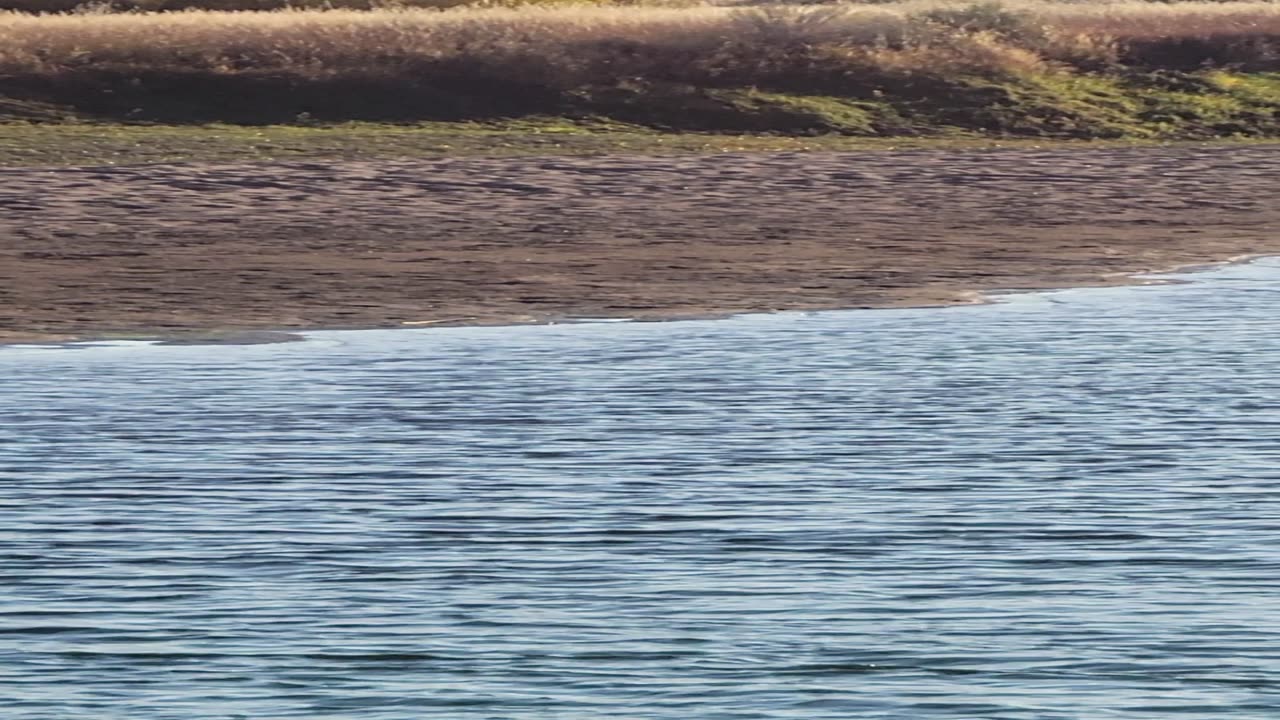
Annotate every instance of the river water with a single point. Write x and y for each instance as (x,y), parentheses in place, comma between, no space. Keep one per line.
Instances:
(1064,505)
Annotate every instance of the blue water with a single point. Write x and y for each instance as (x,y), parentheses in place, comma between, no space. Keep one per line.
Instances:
(1060,506)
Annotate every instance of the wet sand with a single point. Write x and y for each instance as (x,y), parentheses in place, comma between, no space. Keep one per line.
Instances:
(168,249)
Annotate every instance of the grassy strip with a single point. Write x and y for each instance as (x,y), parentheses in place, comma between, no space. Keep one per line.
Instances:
(43,145)
(1039,71)
(23,144)
(1150,106)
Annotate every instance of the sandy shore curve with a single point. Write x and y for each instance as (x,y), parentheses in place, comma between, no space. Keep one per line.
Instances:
(168,249)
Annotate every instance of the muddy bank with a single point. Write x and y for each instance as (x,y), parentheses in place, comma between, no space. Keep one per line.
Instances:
(163,249)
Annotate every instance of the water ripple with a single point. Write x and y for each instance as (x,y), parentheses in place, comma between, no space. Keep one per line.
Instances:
(1058,507)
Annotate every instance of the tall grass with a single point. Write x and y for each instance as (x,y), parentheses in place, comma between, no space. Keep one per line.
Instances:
(536,59)
(657,41)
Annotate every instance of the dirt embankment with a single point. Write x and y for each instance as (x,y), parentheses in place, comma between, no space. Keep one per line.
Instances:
(165,249)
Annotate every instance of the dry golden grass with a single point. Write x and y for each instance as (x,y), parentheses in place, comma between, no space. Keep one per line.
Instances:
(307,40)
(1157,19)
(575,37)
(629,62)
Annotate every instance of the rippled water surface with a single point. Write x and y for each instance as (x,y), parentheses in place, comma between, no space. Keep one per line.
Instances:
(1062,506)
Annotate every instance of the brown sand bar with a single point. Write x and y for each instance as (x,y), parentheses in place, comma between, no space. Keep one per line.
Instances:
(169,248)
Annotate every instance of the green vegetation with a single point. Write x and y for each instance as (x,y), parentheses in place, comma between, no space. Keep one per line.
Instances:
(1156,106)
(588,78)
(39,144)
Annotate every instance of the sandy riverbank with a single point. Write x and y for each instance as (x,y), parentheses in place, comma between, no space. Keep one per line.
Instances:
(165,249)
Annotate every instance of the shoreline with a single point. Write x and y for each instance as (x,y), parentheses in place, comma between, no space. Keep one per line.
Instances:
(275,336)
(192,252)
